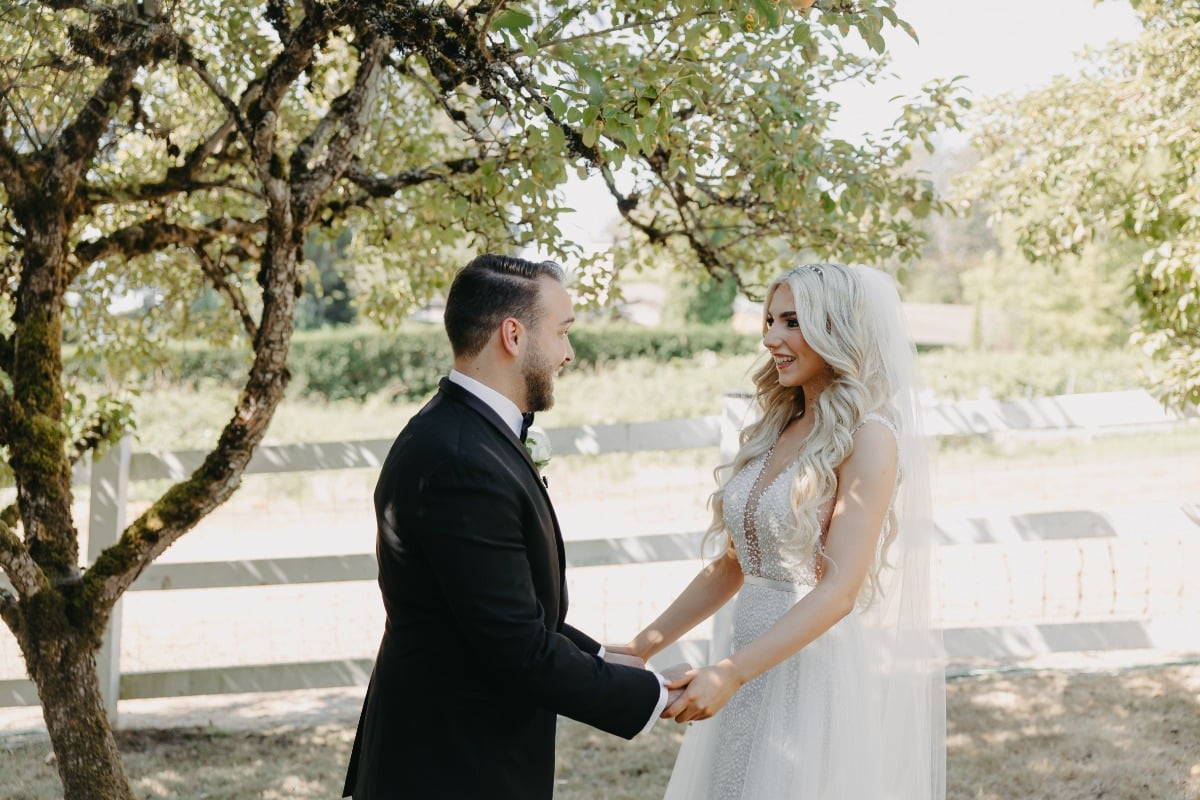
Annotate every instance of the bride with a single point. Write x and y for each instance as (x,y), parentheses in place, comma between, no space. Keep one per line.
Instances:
(830,683)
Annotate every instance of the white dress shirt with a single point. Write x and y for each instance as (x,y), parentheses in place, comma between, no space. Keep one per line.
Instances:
(507,410)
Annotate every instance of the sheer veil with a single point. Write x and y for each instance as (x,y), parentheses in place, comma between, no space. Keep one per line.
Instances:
(912,664)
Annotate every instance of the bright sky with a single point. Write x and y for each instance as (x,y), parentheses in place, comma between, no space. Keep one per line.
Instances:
(999,46)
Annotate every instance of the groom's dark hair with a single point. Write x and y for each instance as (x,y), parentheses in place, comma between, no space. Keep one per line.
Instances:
(489,290)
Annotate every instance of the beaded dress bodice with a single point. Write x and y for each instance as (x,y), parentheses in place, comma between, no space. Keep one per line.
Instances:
(758,524)
(759,516)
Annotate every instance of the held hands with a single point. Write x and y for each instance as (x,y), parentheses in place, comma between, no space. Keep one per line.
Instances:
(701,693)
(677,678)
(686,700)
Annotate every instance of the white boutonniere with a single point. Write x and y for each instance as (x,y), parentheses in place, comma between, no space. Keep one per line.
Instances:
(537,444)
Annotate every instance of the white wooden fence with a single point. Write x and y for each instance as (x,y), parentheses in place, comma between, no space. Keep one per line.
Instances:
(1043,583)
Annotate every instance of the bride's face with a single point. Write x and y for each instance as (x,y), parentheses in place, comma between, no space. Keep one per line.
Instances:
(796,363)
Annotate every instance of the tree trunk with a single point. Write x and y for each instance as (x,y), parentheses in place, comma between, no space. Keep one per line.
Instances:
(63,667)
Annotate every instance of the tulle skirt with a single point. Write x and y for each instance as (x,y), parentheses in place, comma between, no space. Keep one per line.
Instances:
(807,729)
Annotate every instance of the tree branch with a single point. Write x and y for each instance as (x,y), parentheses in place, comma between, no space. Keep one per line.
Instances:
(106,421)
(481,39)
(184,504)
(176,182)
(215,480)
(22,571)
(635,24)
(63,5)
(90,440)
(152,235)
(448,40)
(522,83)
(343,127)
(219,278)
(374,187)
(11,515)
(7,411)
(263,100)
(706,253)
(183,179)
(12,172)
(80,138)
(9,610)
(237,118)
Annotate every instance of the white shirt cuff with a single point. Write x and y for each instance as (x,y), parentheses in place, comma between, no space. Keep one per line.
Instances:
(600,655)
(662,702)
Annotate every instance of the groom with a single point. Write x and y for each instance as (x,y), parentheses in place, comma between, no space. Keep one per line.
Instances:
(477,658)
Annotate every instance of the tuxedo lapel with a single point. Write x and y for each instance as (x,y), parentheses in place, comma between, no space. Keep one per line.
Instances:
(554,539)
(458,393)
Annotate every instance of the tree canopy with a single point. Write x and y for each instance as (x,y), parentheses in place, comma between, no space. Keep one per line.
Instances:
(1112,155)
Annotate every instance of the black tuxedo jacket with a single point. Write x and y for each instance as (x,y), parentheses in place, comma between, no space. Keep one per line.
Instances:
(476,659)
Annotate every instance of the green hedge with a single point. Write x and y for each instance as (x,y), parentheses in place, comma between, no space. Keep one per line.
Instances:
(356,363)
(339,364)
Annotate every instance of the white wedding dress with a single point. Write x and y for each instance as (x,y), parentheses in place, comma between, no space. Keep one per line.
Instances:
(810,728)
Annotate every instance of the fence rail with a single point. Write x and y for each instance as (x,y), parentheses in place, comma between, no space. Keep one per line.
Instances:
(1070,555)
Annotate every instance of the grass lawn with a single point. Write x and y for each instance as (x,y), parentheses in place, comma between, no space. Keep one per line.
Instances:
(1045,735)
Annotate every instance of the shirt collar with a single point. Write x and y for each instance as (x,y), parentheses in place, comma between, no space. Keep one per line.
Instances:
(505,408)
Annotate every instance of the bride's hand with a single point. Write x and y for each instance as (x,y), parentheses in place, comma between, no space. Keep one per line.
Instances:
(624,659)
(707,691)
(677,678)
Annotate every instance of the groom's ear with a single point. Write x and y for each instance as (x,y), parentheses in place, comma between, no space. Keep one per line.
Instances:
(512,336)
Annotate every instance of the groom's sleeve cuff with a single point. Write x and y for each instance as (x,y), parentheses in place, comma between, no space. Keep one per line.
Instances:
(662,702)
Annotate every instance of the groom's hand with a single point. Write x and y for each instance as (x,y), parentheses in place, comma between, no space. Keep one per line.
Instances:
(678,678)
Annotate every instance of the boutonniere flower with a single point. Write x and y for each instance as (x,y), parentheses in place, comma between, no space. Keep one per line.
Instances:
(537,444)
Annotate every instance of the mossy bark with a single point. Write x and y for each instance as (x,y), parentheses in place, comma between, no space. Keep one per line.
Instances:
(60,655)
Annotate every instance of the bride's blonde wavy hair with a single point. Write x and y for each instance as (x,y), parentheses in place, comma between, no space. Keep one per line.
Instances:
(832,315)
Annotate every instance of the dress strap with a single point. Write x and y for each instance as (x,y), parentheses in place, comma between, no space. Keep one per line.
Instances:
(880,418)
(891,426)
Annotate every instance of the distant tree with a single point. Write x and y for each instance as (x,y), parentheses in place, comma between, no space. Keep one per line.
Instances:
(700,299)
(1080,303)
(195,146)
(1114,153)
(327,299)
(958,240)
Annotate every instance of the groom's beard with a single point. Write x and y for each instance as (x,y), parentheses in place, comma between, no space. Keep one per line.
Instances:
(539,381)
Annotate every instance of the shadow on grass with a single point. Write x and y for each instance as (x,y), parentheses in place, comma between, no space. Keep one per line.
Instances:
(1064,735)
(595,766)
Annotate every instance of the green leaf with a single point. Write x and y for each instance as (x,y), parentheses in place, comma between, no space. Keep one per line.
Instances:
(557,139)
(594,79)
(512,20)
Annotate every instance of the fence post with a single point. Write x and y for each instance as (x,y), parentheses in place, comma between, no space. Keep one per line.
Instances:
(106,521)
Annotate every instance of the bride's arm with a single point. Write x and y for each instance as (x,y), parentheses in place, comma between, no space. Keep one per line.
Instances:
(707,592)
(865,483)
